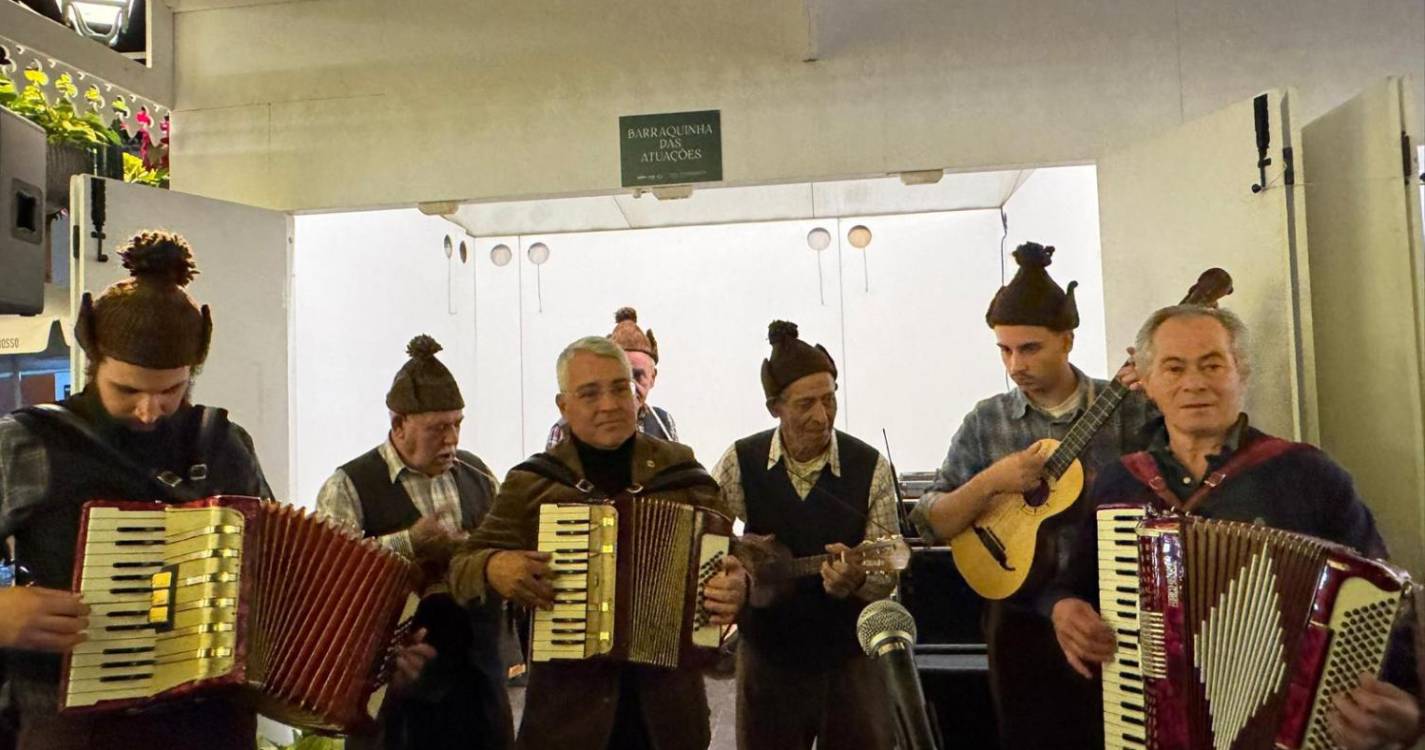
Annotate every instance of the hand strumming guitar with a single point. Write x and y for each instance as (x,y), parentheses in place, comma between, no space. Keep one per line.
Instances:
(840,578)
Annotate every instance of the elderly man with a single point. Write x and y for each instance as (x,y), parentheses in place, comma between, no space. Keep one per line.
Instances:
(1039,701)
(642,351)
(801,675)
(131,434)
(596,703)
(1208,461)
(416,492)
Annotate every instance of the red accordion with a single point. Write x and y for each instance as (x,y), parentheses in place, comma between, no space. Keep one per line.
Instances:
(294,612)
(1238,636)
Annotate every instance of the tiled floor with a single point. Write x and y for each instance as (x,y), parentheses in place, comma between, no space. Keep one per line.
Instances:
(722,702)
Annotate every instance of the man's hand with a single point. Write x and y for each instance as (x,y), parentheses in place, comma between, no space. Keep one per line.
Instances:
(1374,714)
(432,540)
(410,660)
(1128,374)
(36,619)
(522,576)
(838,577)
(1082,634)
(1018,472)
(725,593)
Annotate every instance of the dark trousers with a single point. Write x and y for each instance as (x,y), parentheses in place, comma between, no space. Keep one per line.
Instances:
(1040,700)
(211,725)
(779,708)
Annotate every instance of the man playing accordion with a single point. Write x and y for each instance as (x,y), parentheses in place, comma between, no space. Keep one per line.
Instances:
(1206,460)
(597,702)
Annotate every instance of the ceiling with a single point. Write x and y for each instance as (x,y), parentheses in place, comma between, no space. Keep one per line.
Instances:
(729,205)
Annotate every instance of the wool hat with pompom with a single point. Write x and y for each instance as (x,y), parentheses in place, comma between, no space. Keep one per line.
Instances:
(423,384)
(792,359)
(148,319)
(629,337)
(1031,298)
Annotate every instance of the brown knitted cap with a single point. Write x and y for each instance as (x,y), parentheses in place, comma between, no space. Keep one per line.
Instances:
(792,359)
(630,337)
(1031,298)
(423,384)
(148,319)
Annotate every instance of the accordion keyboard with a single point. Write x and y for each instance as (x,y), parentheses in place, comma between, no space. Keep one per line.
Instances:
(117,661)
(582,540)
(1124,712)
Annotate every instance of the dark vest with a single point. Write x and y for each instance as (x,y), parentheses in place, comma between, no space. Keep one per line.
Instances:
(80,471)
(386,508)
(808,629)
(460,699)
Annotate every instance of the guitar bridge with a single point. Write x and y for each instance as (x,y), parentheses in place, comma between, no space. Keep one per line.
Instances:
(993,545)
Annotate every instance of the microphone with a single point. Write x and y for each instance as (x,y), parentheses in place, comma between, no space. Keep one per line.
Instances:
(887,635)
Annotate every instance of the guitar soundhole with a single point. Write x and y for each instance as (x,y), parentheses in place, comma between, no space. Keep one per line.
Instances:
(1037,496)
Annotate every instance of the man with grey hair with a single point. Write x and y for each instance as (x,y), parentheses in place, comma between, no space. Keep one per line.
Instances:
(1206,460)
(417,493)
(596,703)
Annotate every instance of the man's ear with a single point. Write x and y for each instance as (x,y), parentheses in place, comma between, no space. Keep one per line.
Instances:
(774,407)
(559,402)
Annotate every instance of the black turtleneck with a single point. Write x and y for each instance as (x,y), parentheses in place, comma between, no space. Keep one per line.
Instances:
(610,470)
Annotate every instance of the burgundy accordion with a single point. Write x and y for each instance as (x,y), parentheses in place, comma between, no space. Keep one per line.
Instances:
(294,613)
(1235,636)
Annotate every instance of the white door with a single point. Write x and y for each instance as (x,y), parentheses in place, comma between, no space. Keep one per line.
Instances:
(1368,295)
(1196,197)
(243,256)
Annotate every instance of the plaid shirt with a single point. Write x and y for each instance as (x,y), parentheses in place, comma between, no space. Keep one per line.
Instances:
(1009,422)
(432,496)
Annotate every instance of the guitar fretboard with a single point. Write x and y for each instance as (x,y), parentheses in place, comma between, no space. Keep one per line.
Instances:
(1085,427)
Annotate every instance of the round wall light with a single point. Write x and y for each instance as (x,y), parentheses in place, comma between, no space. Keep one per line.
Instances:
(538,253)
(501,255)
(859,236)
(818,239)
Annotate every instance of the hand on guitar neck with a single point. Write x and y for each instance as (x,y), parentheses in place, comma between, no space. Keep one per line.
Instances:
(774,571)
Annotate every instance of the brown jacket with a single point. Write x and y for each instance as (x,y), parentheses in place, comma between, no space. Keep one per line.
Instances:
(572,704)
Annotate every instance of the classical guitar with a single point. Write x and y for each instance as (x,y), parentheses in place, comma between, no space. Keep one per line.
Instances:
(997,553)
(774,571)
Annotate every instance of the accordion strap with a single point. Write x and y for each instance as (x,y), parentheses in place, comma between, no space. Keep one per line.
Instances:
(1145,469)
(551,468)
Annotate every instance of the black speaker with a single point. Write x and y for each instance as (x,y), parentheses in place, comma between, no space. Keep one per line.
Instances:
(23,251)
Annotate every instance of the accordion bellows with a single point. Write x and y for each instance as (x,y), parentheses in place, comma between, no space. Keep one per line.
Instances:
(294,612)
(1235,636)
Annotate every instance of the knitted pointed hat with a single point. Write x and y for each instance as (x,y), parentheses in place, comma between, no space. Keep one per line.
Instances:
(423,384)
(1031,298)
(791,359)
(629,337)
(148,319)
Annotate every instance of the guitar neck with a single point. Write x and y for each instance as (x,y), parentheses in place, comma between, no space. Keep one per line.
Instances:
(1085,427)
(802,566)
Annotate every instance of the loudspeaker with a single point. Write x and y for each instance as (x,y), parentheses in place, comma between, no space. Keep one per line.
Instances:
(23,252)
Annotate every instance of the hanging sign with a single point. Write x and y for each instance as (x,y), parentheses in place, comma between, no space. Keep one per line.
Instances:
(671,149)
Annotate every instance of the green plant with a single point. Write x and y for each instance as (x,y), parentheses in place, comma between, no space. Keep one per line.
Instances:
(61,121)
(303,741)
(136,172)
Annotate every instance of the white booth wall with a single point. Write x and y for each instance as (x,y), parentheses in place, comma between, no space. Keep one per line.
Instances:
(904,319)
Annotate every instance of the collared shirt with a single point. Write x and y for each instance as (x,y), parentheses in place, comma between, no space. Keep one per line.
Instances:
(881,518)
(1179,477)
(433,496)
(1010,422)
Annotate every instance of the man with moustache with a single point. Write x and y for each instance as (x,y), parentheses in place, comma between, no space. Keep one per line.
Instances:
(1039,701)
(642,350)
(596,703)
(418,493)
(1206,459)
(801,674)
